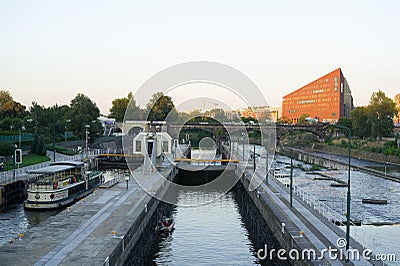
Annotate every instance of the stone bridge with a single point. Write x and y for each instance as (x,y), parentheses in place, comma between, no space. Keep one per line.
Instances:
(133,127)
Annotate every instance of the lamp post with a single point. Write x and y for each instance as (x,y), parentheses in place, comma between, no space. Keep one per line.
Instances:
(266,163)
(291,172)
(348,177)
(348,184)
(86,139)
(65,135)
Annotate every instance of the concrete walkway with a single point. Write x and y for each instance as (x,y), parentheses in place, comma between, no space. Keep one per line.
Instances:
(314,226)
(88,232)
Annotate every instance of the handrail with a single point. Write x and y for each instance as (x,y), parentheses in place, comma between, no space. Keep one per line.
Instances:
(207,161)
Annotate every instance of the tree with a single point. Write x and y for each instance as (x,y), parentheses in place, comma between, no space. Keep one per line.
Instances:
(218,114)
(6,148)
(346,122)
(302,119)
(38,147)
(382,110)
(161,106)
(84,111)
(361,123)
(9,107)
(120,105)
(284,120)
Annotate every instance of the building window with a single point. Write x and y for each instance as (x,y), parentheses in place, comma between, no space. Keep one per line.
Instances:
(336,84)
(165,146)
(306,101)
(333,114)
(292,111)
(138,146)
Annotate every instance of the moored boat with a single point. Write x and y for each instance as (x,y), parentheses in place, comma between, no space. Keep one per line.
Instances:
(60,184)
(374,201)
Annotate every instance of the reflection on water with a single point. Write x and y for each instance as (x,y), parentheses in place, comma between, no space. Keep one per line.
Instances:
(225,231)
(201,235)
(16,220)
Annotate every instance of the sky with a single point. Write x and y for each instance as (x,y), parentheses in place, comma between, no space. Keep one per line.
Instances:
(52,50)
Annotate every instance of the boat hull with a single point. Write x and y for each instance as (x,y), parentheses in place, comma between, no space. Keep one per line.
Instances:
(59,204)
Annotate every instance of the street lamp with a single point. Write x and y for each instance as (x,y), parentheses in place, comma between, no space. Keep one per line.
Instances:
(348,176)
(266,163)
(291,171)
(65,135)
(86,139)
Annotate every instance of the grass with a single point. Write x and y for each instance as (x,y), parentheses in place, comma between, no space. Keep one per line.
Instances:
(28,159)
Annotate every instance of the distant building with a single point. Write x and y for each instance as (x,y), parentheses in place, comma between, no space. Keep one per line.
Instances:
(397,103)
(327,98)
(258,112)
(276,113)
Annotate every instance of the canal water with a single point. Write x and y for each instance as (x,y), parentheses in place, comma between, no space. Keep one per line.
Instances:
(227,231)
(15,220)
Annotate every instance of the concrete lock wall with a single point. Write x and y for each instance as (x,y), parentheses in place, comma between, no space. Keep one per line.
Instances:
(288,235)
(312,159)
(120,254)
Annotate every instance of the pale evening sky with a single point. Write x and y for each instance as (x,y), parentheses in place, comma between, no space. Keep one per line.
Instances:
(52,50)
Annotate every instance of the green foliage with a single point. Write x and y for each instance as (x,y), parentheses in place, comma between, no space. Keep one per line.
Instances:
(11,124)
(362,126)
(121,105)
(249,119)
(328,140)
(28,159)
(6,149)
(346,122)
(61,149)
(315,167)
(375,120)
(217,114)
(302,119)
(10,108)
(84,111)
(161,106)
(38,146)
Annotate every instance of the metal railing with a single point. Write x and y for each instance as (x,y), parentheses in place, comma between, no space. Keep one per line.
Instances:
(21,173)
(356,232)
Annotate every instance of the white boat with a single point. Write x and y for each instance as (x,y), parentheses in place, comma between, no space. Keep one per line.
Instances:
(60,184)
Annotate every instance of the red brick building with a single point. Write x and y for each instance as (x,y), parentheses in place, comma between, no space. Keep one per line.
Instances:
(327,98)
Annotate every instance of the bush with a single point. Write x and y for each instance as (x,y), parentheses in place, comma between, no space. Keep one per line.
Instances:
(328,140)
